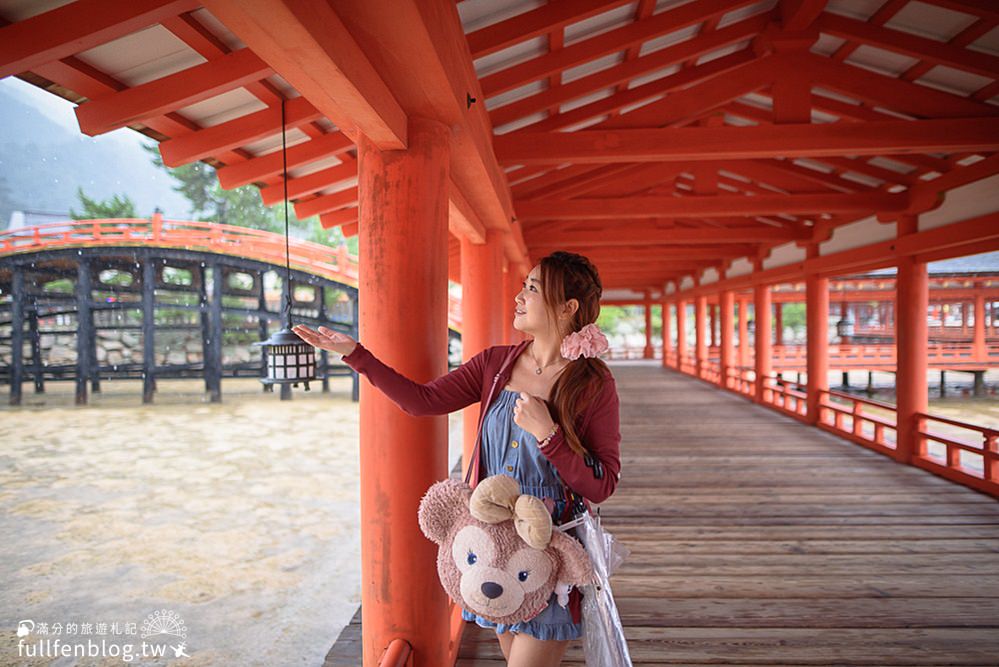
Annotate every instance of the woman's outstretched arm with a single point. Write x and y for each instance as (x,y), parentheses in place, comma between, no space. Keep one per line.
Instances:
(452,391)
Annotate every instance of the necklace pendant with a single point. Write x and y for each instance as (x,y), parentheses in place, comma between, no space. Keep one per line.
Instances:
(538,371)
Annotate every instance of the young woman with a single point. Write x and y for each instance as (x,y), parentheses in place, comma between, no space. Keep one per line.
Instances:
(549,418)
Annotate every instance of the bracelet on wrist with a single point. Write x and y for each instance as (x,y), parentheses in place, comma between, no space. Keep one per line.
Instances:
(547,439)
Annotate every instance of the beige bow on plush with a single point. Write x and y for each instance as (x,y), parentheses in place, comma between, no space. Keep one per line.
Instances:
(498,498)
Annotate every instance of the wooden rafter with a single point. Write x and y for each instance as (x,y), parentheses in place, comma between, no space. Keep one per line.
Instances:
(76,27)
(799,140)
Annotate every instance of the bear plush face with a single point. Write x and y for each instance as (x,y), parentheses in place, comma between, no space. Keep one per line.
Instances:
(498,555)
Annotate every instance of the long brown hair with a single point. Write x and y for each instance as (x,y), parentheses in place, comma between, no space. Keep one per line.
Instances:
(564,276)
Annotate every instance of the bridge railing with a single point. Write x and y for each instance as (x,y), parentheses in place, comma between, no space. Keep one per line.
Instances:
(333,263)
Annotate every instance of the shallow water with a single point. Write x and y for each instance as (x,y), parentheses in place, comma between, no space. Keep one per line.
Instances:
(240,517)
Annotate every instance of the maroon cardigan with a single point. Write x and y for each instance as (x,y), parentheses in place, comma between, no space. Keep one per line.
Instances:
(481,379)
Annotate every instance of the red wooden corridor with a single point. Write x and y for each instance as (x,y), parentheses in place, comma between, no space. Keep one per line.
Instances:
(694,150)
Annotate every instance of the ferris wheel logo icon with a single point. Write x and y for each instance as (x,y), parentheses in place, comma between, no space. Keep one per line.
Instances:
(164,622)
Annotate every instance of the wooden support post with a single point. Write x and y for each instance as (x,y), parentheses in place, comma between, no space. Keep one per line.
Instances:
(324,355)
(17,334)
(648,353)
(778,323)
(727,354)
(681,333)
(206,329)
(700,331)
(978,350)
(912,295)
(817,328)
(480,291)
(148,329)
(713,324)
(403,196)
(743,333)
(667,334)
(37,368)
(762,319)
(84,329)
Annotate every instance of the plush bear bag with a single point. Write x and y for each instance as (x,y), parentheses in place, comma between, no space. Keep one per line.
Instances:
(498,556)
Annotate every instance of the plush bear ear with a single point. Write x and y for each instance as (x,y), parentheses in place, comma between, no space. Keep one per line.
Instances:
(443,504)
(575,567)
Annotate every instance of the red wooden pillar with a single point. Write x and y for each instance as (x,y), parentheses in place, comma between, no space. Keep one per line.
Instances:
(649,352)
(727,353)
(681,332)
(762,301)
(403,319)
(743,332)
(480,294)
(817,328)
(778,323)
(700,338)
(978,340)
(713,316)
(911,301)
(667,334)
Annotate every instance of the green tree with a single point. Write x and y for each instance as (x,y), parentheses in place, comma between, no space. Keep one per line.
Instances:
(241,206)
(118,206)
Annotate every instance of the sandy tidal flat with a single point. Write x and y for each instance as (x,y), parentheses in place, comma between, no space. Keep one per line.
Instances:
(240,517)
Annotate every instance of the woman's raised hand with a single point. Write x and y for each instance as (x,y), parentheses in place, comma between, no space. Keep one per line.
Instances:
(326,339)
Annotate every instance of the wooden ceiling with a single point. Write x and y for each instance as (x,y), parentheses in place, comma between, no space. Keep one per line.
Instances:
(659,139)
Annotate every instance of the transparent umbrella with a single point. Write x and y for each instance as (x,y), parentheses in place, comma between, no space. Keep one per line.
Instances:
(604,643)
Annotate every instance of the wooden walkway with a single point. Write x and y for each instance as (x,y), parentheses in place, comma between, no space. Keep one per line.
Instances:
(757,540)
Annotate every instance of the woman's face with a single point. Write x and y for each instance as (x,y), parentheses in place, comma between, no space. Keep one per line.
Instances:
(529,310)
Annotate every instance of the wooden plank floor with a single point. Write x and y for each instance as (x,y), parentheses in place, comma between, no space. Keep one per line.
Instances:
(757,540)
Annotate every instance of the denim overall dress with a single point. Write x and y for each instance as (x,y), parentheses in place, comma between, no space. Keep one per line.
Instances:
(507,449)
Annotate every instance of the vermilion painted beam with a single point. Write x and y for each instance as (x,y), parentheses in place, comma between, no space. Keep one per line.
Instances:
(155,98)
(421,52)
(799,14)
(310,183)
(609,42)
(336,218)
(627,71)
(645,207)
(891,93)
(799,140)
(325,64)
(685,105)
(651,246)
(241,131)
(87,81)
(76,27)
(714,70)
(906,43)
(591,180)
(260,168)
(590,233)
(189,29)
(325,203)
(531,24)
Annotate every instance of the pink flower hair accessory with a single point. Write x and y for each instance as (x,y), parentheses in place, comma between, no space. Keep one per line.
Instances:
(587,342)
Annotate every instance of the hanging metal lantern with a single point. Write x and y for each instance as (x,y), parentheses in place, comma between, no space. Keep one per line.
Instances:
(290,360)
(844,328)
